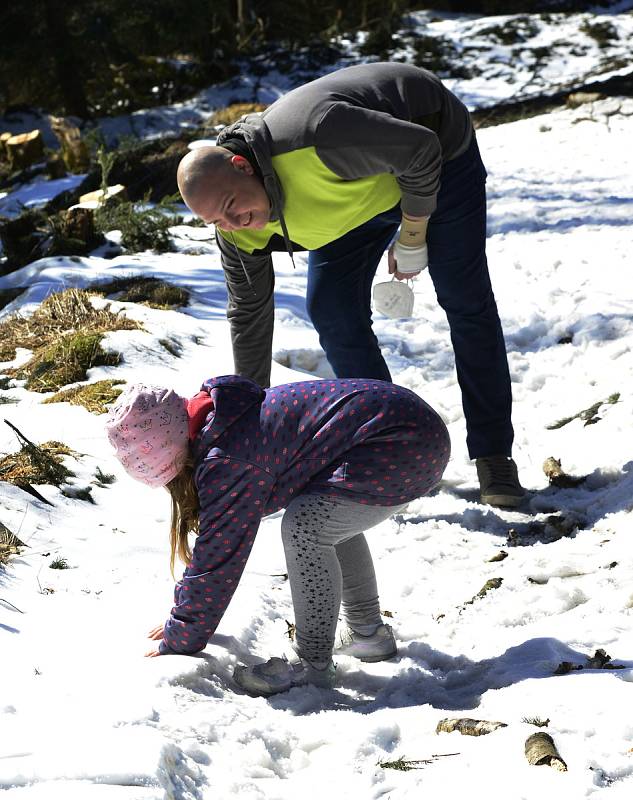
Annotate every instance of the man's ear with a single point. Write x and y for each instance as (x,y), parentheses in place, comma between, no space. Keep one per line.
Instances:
(242,164)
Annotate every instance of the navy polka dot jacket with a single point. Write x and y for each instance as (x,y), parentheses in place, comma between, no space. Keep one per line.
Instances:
(367,440)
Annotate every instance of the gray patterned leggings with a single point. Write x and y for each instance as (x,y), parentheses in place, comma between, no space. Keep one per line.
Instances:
(328,561)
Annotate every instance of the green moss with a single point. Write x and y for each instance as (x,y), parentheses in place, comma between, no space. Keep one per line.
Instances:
(66,361)
(94,397)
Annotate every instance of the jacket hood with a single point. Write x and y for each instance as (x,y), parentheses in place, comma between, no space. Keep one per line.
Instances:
(253,131)
(232,397)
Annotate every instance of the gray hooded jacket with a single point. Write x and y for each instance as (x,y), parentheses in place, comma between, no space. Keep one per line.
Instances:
(359,124)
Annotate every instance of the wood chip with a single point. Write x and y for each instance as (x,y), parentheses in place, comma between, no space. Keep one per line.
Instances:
(557,477)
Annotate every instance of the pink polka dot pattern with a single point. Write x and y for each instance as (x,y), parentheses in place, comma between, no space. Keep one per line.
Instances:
(368,440)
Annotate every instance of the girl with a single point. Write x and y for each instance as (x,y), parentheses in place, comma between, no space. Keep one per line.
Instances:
(339,455)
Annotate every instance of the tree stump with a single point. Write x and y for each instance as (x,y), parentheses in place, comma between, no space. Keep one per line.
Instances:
(76,225)
(4,137)
(74,150)
(540,749)
(25,149)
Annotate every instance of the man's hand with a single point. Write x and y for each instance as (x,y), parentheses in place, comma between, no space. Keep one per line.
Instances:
(408,256)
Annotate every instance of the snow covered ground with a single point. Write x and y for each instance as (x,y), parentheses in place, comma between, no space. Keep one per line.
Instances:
(83,715)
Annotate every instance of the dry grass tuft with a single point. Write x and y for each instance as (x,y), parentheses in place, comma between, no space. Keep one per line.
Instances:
(94,397)
(150,291)
(10,545)
(66,361)
(61,313)
(231,114)
(36,464)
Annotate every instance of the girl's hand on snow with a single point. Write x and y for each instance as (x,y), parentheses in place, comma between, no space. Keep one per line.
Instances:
(156,633)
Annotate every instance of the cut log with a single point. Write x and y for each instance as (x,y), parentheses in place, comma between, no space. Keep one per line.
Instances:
(468,727)
(540,749)
(99,196)
(25,149)
(577,99)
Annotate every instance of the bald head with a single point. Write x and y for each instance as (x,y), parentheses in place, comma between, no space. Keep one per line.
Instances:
(200,170)
(222,189)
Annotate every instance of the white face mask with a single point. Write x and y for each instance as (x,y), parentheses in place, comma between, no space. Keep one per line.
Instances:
(394,299)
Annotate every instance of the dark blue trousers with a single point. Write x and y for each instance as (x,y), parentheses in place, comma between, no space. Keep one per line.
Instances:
(340,277)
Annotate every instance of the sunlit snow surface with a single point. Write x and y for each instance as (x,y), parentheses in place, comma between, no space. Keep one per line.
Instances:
(82,713)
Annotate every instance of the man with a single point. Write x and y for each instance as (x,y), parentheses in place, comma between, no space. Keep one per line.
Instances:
(335,167)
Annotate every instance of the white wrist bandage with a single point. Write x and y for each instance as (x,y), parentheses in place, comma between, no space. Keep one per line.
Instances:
(410,259)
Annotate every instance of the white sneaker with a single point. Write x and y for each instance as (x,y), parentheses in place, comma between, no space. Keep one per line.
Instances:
(380,646)
(279,674)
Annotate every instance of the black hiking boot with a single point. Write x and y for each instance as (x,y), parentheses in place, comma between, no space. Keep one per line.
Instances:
(499,482)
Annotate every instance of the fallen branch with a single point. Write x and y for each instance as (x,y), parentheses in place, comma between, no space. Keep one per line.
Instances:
(468,727)
(588,415)
(599,660)
(6,602)
(493,583)
(404,765)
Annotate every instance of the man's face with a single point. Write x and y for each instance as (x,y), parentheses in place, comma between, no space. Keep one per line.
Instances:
(237,201)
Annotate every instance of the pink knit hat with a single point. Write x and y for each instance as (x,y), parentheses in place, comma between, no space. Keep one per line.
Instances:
(148,428)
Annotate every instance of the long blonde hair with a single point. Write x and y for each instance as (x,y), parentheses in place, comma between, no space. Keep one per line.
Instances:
(185,513)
